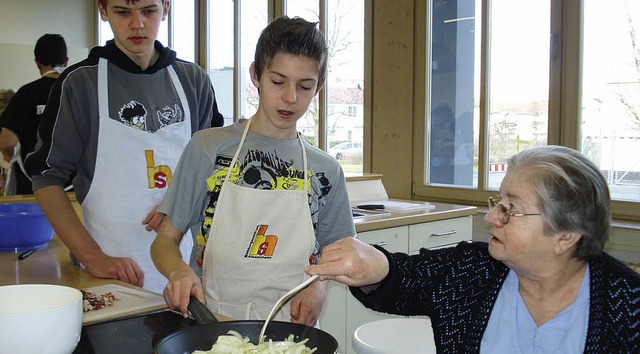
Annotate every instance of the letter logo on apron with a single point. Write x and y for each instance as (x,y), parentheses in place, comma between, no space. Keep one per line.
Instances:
(262,245)
(158,176)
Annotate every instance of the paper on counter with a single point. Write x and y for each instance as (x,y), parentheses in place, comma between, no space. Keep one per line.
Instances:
(365,191)
(373,192)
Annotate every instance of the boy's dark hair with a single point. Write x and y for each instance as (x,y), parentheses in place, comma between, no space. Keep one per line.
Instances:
(51,50)
(104,2)
(292,36)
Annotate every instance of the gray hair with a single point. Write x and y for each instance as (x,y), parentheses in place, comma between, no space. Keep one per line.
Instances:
(573,195)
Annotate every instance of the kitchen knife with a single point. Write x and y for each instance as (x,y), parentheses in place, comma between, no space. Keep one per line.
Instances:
(371,206)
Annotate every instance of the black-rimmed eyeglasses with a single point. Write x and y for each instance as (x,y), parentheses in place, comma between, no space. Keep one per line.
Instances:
(504,213)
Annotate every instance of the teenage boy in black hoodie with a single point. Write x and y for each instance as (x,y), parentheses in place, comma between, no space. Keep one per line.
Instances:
(119,119)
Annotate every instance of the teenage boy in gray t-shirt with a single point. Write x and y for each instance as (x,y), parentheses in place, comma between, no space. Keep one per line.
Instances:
(245,266)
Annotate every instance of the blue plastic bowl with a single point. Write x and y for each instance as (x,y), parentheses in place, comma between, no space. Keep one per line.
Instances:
(23,227)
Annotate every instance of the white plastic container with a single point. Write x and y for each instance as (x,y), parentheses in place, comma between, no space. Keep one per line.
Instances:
(395,336)
(40,318)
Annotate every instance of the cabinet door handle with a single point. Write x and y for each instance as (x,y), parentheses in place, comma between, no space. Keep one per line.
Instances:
(446,233)
(381,244)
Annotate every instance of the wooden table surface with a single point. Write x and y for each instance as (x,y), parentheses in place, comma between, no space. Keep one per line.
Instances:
(50,265)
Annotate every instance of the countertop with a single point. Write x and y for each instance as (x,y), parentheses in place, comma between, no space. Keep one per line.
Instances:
(401,218)
(51,265)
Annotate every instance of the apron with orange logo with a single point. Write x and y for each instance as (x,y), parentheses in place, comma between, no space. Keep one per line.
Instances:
(133,169)
(258,245)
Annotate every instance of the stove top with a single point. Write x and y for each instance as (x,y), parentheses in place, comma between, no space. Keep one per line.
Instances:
(139,334)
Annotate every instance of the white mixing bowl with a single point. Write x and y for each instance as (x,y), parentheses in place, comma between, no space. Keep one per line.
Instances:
(40,318)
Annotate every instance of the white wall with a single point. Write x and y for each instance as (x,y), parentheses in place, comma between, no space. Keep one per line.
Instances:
(22,22)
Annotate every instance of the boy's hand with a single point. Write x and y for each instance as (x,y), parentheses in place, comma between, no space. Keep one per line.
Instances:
(120,268)
(153,220)
(182,285)
(307,305)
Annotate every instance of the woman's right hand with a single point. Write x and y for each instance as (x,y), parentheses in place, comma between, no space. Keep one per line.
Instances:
(351,262)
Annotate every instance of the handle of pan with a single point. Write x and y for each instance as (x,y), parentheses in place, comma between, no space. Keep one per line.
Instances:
(201,312)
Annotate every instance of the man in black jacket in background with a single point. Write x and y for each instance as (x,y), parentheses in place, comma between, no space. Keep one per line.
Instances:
(19,121)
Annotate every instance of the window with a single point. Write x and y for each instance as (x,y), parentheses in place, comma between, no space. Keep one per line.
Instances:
(610,133)
(517,83)
(230,54)
(501,76)
(221,55)
(309,124)
(451,94)
(343,92)
(182,27)
(345,79)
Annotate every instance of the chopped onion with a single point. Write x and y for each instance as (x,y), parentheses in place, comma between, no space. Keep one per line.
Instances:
(235,343)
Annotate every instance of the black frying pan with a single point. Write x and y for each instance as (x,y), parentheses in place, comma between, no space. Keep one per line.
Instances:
(204,335)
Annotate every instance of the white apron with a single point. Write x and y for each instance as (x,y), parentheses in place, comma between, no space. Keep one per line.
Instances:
(133,169)
(10,179)
(258,245)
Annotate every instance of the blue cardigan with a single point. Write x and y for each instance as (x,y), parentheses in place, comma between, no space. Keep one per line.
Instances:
(458,287)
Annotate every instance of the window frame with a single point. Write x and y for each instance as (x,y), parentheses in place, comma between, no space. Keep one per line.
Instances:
(564,101)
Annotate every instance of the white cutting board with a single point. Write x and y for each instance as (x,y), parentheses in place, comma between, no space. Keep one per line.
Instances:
(130,301)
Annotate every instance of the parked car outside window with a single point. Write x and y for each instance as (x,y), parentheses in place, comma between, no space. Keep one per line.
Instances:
(346,151)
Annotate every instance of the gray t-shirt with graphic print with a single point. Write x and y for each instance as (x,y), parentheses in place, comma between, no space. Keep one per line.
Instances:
(266,163)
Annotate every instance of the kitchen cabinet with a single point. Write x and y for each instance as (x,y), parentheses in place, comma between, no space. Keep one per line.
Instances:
(438,234)
(343,314)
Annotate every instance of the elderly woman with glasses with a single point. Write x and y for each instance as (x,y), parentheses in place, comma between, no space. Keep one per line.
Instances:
(541,284)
